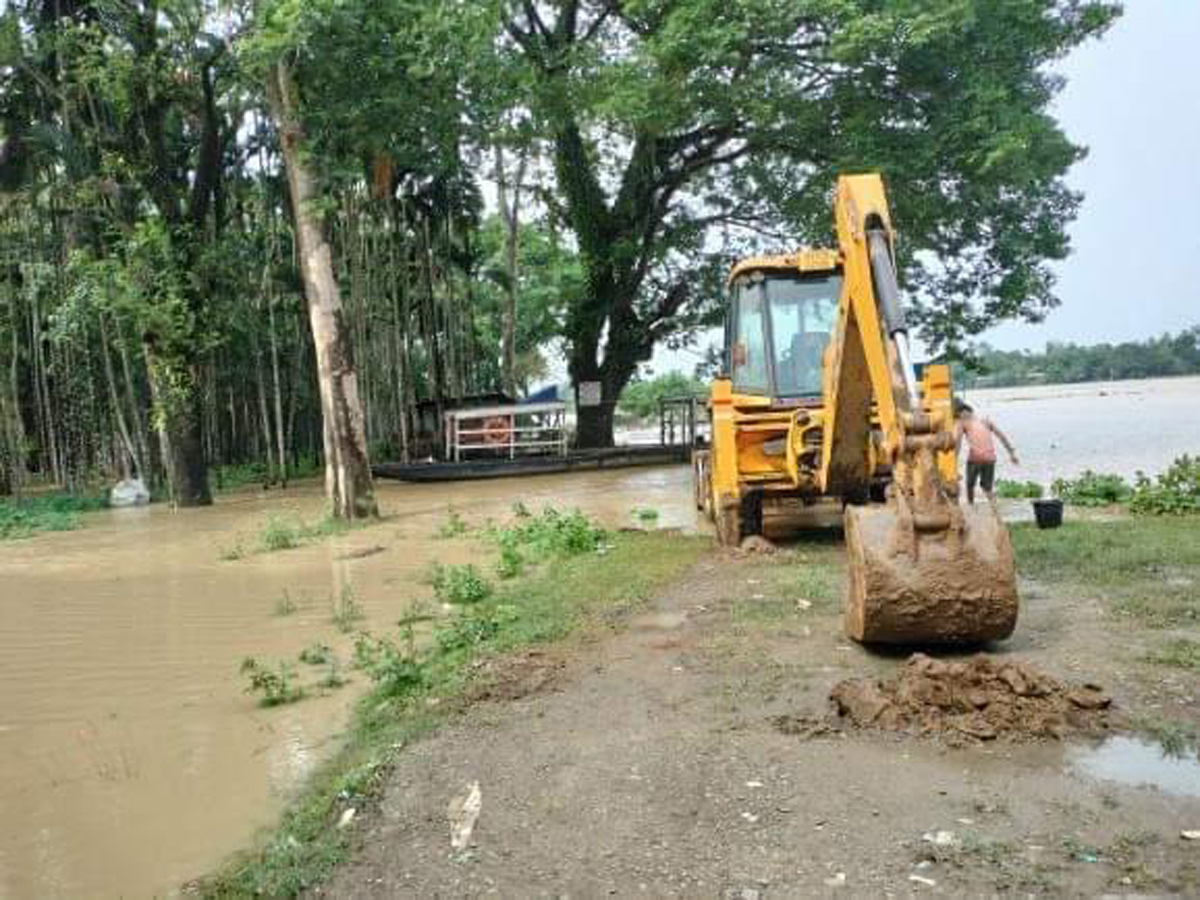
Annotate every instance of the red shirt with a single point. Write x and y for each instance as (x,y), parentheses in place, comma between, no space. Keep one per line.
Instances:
(978,432)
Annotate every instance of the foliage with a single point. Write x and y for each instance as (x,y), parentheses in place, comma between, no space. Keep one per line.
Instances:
(645,514)
(566,595)
(459,585)
(1170,354)
(394,666)
(276,686)
(1174,492)
(1018,490)
(640,399)
(554,533)
(56,512)
(1092,489)
(670,123)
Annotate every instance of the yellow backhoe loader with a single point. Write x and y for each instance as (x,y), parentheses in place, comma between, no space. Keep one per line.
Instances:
(819,400)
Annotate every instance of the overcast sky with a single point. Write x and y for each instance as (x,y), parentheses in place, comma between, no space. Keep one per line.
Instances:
(1133,98)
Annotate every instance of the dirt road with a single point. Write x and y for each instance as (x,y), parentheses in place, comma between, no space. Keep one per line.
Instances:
(660,759)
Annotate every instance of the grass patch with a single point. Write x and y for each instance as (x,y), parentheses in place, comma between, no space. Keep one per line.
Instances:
(564,594)
(1181,654)
(48,512)
(1176,738)
(1145,568)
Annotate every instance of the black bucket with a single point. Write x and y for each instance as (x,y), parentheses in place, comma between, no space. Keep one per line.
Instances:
(1048,513)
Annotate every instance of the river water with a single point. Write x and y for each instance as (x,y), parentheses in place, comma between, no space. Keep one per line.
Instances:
(130,758)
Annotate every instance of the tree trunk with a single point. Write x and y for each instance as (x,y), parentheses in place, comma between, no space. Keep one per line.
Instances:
(179,411)
(510,213)
(347,470)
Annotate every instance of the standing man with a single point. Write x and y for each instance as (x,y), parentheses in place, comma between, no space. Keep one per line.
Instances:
(981,455)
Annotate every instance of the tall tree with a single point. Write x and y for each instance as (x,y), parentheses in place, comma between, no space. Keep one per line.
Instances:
(347,470)
(671,118)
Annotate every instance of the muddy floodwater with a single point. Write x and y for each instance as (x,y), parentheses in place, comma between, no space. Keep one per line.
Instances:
(1119,426)
(130,758)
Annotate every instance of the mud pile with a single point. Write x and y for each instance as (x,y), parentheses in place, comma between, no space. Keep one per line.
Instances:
(980,699)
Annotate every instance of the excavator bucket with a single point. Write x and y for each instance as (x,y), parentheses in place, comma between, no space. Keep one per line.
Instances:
(948,585)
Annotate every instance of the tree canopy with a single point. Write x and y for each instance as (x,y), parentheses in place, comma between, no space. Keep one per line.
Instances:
(497,182)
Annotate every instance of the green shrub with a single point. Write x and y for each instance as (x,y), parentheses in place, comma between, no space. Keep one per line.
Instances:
(1175,492)
(474,629)
(396,670)
(558,534)
(460,585)
(1018,490)
(277,686)
(1092,489)
(510,563)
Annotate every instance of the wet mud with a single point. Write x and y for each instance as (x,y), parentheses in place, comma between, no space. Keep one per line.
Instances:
(980,699)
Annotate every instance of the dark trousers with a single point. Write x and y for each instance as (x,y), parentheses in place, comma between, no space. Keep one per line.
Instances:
(984,473)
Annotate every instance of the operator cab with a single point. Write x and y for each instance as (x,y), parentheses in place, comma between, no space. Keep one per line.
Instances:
(780,321)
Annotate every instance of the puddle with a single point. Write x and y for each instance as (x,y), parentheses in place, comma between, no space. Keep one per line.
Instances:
(1137,763)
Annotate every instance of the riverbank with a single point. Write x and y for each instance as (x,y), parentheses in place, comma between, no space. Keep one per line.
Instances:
(670,736)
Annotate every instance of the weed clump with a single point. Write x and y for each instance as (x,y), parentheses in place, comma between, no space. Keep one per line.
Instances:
(396,667)
(459,585)
(454,526)
(347,612)
(285,605)
(1018,490)
(316,654)
(276,686)
(1092,489)
(1175,492)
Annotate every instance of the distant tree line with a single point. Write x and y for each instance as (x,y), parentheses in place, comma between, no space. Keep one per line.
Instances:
(1170,354)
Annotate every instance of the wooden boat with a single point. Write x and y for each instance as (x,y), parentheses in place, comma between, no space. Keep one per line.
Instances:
(576,460)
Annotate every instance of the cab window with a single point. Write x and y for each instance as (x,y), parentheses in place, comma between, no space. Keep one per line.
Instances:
(748,351)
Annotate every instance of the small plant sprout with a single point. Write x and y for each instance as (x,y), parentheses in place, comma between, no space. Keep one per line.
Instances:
(454,526)
(645,514)
(346,610)
(279,535)
(285,605)
(230,552)
(316,654)
(276,686)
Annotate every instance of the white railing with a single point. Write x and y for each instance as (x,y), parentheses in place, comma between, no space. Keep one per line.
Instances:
(492,432)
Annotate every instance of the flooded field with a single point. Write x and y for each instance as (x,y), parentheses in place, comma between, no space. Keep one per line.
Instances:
(130,758)
(1120,426)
